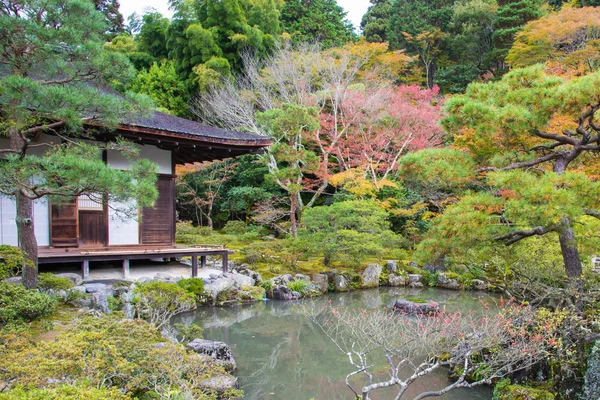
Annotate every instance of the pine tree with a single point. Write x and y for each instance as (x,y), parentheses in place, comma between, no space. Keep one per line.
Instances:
(375,22)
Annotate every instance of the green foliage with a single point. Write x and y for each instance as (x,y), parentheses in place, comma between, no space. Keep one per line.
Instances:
(20,304)
(268,286)
(374,22)
(192,285)
(349,231)
(159,301)
(65,392)
(255,293)
(49,281)
(300,286)
(162,84)
(429,278)
(417,300)
(12,261)
(506,391)
(235,227)
(107,353)
(152,36)
(322,21)
(186,334)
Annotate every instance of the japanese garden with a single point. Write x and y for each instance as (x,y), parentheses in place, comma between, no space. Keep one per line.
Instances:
(264,199)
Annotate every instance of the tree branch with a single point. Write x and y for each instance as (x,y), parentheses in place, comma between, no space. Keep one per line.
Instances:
(524,164)
(515,236)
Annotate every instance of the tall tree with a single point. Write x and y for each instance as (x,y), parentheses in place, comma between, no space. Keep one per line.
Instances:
(114,18)
(312,21)
(53,65)
(533,136)
(421,28)
(511,16)
(152,38)
(374,23)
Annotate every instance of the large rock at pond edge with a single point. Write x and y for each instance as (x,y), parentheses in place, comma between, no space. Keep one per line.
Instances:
(414,278)
(447,283)
(240,280)
(213,289)
(219,351)
(282,279)
(391,266)
(282,292)
(321,281)
(397,280)
(478,284)
(436,266)
(341,283)
(219,385)
(411,307)
(331,275)
(301,277)
(75,278)
(370,277)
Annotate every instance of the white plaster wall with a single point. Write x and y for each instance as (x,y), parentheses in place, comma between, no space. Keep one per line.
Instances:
(122,230)
(8,227)
(41,221)
(162,158)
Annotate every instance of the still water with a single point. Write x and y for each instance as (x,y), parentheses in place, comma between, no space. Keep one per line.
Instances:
(281,355)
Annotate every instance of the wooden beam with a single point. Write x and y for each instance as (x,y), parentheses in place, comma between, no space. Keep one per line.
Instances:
(126,268)
(194,265)
(203,262)
(85,268)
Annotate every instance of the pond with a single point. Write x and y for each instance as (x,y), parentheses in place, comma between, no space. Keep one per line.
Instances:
(281,355)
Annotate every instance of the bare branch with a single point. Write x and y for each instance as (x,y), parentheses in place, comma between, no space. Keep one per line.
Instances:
(515,236)
(524,164)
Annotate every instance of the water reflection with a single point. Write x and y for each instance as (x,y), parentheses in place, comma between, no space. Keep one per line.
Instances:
(280,355)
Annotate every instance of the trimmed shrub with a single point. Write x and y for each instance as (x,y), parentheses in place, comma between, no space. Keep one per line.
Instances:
(48,281)
(20,304)
(12,261)
(157,301)
(194,286)
(234,228)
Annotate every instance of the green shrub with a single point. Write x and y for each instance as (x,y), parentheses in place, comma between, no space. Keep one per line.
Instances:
(12,261)
(204,230)
(186,334)
(65,392)
(429,278)
(158,301)
(253,293)
(505,391)
(451,275)
(299,285)
(234,228)
(194,286)
(109,352)
(20,304)
(48,281)
(268,286)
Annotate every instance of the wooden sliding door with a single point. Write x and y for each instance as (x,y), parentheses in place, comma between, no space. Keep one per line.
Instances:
(158,222)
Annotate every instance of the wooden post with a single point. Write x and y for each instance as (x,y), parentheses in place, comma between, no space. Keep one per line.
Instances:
(225,262)
(203,262)
(126,268)
(85,268)
(194,265)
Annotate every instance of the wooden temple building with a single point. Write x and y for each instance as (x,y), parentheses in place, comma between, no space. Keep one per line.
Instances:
(84,231)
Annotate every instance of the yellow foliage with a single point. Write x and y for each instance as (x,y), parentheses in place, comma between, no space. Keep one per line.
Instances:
(355,182)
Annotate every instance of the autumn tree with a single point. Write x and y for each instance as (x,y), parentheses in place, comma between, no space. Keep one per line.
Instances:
(534,137)
(568,39)
(54,67)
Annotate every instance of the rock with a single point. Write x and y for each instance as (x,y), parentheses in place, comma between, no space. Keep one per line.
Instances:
(414,278)
(127,302)
(282,292)
(100,302)
(321,281)
(331,275)
(370,277)
(447,283)
(436,266)
(413,264)
(591,387)
(240,280)
(391,266)
(478,284)
(75,278)
(87,302)
(397,280)
(415,285)
(219,385)
(164,277)
(341,284)
(282,279)
(411,307)
(301,277)
(144,279)
(213,289)
(213,276)
(81,289)
(95,287)
(15,280)
(219,351)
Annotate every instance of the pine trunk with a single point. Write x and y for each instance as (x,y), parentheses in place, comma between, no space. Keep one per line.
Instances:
(293,207)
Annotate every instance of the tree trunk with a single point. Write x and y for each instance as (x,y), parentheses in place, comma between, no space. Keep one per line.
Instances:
(430,69)
(24,220)
(293,207)
(568,244)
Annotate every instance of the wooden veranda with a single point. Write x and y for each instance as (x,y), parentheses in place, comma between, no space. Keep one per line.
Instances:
(85,255)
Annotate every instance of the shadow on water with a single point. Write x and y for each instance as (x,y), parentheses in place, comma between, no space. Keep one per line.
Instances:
(281,355)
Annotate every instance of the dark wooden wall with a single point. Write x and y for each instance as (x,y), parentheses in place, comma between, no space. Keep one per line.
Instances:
(158,223)
(64,225)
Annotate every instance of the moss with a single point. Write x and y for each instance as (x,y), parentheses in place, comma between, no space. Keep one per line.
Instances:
(504,390)
(416,300)
(48,281)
